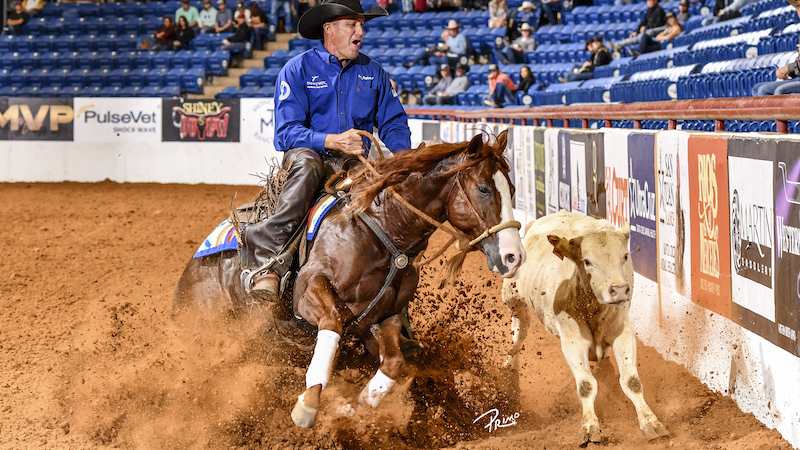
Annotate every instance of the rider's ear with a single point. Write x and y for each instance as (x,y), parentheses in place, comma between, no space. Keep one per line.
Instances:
(475,145)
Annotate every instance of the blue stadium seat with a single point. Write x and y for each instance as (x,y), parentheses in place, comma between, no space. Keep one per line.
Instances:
(28,60)
(155,77)
(268,77)
(193,80)
(77,77)
(66,44)
(56,77)
(217,63)
(180,59)
(161,59)
(36,78)
(24,43)
(51,91)
(117,78)
(44,43)
(86,60)
(251,77)
(92,91)
(131,91)
(228,92)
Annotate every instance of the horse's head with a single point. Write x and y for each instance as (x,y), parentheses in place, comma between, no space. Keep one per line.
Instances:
(480,204)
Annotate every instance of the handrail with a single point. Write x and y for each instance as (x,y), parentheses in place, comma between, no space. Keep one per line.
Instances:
(779,108)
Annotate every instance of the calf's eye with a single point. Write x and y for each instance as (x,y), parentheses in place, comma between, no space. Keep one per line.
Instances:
(587,262)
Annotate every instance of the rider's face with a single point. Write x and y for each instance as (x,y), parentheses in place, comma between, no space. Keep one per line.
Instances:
(343,37)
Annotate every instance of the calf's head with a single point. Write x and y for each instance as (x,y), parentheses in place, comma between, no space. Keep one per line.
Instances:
(603,263)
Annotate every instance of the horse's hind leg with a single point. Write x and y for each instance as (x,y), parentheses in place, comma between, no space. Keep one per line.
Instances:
(387,333)
(318,305)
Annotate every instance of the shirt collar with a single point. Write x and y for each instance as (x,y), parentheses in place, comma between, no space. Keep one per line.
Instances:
(330,59)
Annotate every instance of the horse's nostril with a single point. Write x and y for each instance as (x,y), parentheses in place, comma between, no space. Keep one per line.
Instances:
(511,259)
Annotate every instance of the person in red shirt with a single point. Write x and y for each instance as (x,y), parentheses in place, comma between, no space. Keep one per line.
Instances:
(501,88)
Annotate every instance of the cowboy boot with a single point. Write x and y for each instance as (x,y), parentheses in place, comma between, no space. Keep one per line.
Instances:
(267,287)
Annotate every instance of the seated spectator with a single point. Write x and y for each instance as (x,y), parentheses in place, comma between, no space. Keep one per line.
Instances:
(501,88)
(183,35)
(549,7)
(653,22)
(498,13)
(242,11)
(788,80)
(526,79)
(260,25)
(289,14)
(600,57)
(163,37)
(444,82)
(224,18)
(448,52)
(726,10)
(17,19)
(515,53)
(32,7)
(683,11)
(236,43)
(526,13)
(188,11)
(649,44)
(459,84)
(207,18)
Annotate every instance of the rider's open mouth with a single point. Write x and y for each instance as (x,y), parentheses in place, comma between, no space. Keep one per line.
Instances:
(357,42)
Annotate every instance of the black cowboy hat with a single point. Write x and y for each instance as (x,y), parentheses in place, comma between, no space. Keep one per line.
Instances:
(310,25)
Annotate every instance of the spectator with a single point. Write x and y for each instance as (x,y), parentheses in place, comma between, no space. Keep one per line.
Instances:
(289,14)
(498,13)
(259,24)
(17,19)
(726,10)
(526,13)
(242,11)
(683,11)
(549,7)
(526,79)
(188,11)
(649,44)
(183,35)
(224,18)
(501,88)
(407,5)
(652,23)
(788,80)
(515,53)
(448,52)
(600,57)
(163,37)
(441,86)
(459,84)
(32,7)
(236,43)
(207,18)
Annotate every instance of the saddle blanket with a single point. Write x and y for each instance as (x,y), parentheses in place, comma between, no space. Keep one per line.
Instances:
(322,207)
(222,238)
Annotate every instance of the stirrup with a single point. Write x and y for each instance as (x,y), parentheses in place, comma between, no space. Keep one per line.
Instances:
(248,276)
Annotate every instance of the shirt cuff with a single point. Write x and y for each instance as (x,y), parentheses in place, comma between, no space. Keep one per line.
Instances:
(318,142)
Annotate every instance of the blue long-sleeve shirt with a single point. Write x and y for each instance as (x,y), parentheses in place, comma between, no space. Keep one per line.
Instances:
(315,96)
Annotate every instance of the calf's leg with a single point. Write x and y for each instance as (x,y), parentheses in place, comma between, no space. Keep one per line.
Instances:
(520,324)
(624,347)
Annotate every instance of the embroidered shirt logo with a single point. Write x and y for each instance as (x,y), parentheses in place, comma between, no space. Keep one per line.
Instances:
(285,91)
(314,78)
(314,84)
(362,77)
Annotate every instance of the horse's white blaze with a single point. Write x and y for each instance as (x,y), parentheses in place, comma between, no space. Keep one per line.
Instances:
(511,249)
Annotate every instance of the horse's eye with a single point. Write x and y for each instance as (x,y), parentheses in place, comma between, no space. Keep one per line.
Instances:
(484,190)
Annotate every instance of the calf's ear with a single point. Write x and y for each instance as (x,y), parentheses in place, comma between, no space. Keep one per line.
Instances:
(626,230)
(566,248)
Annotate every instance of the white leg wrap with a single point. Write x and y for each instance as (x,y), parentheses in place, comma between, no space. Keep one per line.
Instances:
(319,370)
(376,389)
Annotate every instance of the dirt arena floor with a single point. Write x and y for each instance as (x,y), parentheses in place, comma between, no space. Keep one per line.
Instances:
(91,357)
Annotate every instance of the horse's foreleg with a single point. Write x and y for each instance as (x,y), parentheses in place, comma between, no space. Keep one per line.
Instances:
(318,304)
(387,333)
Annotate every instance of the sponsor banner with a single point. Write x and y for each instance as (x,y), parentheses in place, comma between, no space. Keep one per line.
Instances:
(752,234)
(642,203)
(615,146)
(200,120)
(551,169)
(517,163)
(787,245)
(530,176)
(447,132)
(539,172)
(672,192)
(577,162)
(117,119)
(709,222)
(564,172)
(36,119)
(589,170)
(257,121)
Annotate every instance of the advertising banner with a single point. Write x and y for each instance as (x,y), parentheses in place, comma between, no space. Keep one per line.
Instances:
(551,169)
(672,191)
(200,120)
(117,120)
(530,175)
(709,222)
(642,203)
(592,193)
(615,146)
(258,121)
(539,171)
(752,222)
(577,162)
(564,173)
(517,163)
(36,119)
(787,245)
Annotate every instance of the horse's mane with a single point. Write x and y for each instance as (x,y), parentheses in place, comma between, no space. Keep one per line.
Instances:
(394,170)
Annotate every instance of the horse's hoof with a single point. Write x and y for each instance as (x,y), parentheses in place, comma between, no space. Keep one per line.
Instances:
(303,416)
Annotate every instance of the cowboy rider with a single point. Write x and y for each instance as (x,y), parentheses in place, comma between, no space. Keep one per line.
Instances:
(322,98)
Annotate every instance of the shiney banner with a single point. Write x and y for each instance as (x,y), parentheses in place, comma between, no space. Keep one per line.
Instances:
(201,120)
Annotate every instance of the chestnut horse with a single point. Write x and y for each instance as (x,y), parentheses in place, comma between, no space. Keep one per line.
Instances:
(344,286)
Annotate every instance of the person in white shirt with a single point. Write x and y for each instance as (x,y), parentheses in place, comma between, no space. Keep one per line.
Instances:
(240,9)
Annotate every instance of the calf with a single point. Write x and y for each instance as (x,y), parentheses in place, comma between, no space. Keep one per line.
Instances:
(578,281)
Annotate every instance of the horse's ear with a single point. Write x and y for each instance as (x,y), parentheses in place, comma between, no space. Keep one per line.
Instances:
(501,141)
(475,145)
(421,146)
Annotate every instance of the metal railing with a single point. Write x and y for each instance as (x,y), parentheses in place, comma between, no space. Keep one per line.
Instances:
(780,108)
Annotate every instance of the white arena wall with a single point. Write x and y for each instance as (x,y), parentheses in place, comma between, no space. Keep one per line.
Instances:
(730,314)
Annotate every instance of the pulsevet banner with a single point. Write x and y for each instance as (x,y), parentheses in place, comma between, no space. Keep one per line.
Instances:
(709,222)
(258,121)
(200,120)
(117,119)
(36,119)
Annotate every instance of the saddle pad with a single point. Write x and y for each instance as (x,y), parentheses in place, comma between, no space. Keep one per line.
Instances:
(319,210)
(222,238)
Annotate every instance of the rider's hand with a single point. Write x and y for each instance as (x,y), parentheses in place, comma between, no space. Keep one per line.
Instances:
(348,143)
